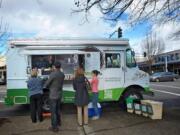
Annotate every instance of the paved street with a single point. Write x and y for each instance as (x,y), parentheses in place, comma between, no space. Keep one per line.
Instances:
(113,121)
(167,92)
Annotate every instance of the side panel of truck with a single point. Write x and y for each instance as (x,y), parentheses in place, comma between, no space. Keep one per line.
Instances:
(16,78)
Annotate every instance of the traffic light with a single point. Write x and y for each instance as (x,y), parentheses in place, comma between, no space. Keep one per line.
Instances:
(119,32)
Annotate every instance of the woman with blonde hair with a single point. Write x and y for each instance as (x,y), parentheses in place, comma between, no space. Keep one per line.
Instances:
(35,93)
(81,96)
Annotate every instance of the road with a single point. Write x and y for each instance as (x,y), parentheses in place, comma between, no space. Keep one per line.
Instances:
(167,92)
(113,121)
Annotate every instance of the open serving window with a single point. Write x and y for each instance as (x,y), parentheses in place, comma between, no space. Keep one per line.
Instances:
(69,62)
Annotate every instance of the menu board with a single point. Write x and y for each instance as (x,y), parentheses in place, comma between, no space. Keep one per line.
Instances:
(92,61)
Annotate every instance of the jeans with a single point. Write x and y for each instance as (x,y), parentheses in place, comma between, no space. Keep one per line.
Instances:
(95,102)
(36,107)
(55,112)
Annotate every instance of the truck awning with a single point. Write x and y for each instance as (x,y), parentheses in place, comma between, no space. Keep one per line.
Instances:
(51,52)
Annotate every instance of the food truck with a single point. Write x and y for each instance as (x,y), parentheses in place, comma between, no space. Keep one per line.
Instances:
(119,76)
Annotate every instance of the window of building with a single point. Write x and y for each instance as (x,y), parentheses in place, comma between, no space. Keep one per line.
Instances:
(172,56)
(177,56)
(163,58)
(159,59)
(113,60)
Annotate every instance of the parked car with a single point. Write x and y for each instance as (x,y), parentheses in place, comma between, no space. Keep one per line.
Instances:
(164,76)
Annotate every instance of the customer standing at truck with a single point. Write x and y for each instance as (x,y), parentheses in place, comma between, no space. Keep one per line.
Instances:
(55,85)
(94,86)
(34,85)
(81,96)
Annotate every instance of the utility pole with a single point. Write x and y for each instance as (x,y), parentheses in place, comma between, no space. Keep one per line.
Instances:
(166,64)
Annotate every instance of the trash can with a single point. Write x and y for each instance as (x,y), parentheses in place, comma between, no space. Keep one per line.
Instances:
(91,112)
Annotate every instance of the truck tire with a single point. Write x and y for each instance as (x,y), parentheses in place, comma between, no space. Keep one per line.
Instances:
(45,103)
(135,93)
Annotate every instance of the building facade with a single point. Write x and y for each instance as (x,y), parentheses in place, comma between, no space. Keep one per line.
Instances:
(169,60)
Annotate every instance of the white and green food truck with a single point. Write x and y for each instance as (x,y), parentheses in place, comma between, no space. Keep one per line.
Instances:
(120,76)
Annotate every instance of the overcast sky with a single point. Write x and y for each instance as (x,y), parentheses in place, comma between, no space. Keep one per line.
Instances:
(53,18)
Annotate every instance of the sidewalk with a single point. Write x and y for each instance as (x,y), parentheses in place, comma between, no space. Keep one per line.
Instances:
(21,125)
(111,123)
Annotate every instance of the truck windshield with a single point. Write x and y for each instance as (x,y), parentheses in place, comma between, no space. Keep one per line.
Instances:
(130,60)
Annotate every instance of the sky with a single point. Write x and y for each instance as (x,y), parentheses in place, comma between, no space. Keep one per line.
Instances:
(54,19)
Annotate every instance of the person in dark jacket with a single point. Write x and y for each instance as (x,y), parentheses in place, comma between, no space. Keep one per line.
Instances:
(81,96)
(34,85)
(55,85)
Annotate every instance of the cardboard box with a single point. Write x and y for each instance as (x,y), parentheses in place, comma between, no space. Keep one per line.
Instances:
(154,108)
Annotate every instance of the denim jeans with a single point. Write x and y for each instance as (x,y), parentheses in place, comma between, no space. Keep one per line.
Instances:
(55,112)
(95,103)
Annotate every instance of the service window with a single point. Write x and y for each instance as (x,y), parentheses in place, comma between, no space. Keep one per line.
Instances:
(130,60)
(112,60)
(45,62)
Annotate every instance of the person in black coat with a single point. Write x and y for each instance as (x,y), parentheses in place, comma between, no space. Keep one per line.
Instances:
(81,96)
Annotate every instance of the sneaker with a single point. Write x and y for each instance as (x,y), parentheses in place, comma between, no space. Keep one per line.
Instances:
(80,125)
(53,129)
(95,118)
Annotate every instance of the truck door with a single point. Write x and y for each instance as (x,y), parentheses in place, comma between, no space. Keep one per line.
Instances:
(113,75)
(131,74)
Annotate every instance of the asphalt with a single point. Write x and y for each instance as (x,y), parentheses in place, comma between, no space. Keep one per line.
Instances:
(111,123)
(16,121)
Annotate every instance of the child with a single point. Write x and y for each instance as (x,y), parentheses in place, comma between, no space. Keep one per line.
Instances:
(94,85)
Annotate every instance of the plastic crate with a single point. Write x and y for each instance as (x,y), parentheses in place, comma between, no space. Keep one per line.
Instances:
(129,104)
(137,106)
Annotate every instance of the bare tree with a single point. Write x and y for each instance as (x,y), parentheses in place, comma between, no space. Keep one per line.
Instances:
(136,11)
(152,45)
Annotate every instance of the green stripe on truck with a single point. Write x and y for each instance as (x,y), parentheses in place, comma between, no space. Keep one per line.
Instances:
(16,96)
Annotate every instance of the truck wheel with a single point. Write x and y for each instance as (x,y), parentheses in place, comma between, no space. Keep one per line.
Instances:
(157,80)
(134,93)
(45,103)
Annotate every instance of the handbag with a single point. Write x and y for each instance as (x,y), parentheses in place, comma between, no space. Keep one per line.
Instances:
(87,84)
